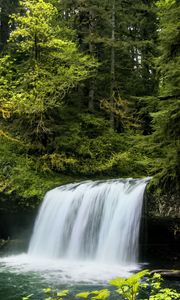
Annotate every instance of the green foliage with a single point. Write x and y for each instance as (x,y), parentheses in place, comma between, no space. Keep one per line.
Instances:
(165,3)
(169,59)
(22,179)
(138,286)
(159,116)
(55,98)
(6,8)
(52,294)
(165,137)
(167,294)
(129,287)
(41,67)
(101,294)
(27,297)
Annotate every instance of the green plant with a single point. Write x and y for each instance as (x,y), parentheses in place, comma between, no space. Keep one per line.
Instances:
(55,295)
(142,286)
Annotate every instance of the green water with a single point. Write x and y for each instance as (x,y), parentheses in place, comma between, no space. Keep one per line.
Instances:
(21,276)
(14,286)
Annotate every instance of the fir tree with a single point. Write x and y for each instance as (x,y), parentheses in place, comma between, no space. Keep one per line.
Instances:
(6,9)
(41,67)
(167,118)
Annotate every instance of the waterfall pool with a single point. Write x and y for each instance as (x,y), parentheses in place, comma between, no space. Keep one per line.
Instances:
(85,234)
(21,275)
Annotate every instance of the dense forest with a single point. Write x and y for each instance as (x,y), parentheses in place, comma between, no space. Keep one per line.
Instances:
(88,89)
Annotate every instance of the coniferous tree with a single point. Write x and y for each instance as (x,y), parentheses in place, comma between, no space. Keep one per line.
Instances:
(132,48)
(6,9)
(71,119)
(167,118)
(41,66)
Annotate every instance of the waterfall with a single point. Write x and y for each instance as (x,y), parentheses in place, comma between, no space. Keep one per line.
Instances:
(96,221)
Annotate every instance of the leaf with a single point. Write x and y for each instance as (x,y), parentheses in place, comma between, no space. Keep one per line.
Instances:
(63,293)
(47,290)
(117,282)
(102,294)
(27,297)
(83,295)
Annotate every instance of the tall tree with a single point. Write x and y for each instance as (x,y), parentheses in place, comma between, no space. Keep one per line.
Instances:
(133,43)
(92,51)
(41,67)
(6,9)
(112,87)
(169,38)
(167,118)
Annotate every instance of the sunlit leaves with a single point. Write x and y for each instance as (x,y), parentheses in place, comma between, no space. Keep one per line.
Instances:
(42,66)
(27,297)
(83,295)
(137,286)
(129,287)
(167,294)
(99,295)
(36,20)
(165,3)
(52,294)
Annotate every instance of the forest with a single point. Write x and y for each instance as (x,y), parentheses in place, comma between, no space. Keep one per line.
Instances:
(89,89)
(89,117)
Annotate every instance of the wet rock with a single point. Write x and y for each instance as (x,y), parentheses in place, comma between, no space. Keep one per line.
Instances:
(168,274)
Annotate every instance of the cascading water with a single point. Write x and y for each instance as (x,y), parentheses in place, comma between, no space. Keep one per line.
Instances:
(96,221)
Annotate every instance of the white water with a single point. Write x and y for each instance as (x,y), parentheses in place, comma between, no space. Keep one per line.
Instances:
(90,221)
(63,271)
(85,233)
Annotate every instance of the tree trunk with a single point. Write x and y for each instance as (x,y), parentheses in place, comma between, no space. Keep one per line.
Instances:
(112,65)
(4,27)
(36,47)
(91,51)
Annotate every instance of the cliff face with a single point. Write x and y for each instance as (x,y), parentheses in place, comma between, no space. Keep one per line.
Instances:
(163,206)
(161,228)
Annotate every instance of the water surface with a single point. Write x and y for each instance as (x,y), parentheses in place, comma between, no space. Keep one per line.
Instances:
(22,275)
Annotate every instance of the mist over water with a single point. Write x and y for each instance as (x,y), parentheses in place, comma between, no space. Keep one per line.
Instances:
(97,221)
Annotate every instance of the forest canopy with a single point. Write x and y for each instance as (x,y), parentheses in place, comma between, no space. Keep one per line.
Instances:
(88,89)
